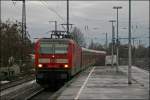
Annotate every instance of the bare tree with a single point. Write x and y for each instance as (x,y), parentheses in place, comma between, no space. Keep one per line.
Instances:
(95,46)
(11,41)
(78,36)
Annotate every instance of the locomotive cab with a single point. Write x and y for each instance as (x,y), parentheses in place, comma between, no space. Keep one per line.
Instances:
(53,60)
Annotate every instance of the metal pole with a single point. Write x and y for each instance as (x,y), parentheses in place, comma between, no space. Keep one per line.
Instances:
(56,26)
(23,27)
(139,43)
(117,44)
(117,49)
(0,36)
(24,20)
(25,33)
(67,16)
(106,41)
(149,33)
(113,42)
(133,52)
(0,12)
(129,44)
(112,50)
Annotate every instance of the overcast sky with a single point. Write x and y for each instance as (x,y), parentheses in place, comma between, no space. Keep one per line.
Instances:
(94,14)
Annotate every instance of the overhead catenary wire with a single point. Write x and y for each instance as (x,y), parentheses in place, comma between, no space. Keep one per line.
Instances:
(51,10)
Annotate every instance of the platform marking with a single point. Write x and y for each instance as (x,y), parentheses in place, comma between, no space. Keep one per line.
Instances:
(79,92)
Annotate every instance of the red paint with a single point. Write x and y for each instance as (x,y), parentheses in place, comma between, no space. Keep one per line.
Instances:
(54,56)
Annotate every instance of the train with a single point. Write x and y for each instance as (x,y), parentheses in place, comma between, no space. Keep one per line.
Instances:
(58,60)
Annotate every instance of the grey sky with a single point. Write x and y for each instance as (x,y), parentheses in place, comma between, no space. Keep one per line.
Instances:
(95,14)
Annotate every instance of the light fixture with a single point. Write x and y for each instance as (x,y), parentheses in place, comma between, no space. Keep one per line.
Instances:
(66,66)
(40,65)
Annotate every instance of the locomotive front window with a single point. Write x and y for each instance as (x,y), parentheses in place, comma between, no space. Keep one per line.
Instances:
(46,49)
(53,48)
(61,48)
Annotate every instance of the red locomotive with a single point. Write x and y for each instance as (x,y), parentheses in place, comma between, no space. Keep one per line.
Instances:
(57,60)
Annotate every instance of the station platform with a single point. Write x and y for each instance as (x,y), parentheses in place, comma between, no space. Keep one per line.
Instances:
(102,82)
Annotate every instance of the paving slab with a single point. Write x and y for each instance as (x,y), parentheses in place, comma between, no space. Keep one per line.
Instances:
(102,82)
(139,75)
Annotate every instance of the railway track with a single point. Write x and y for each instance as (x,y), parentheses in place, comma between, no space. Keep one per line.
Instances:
(34,94)
(19,91)
(40,95)
(28,93)
(52,95)
(32,91)
(19,81)
(44,94)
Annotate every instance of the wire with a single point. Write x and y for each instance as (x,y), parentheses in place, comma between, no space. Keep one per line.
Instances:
(51,9)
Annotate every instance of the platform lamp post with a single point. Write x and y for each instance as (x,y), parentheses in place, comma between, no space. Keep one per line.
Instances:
(113,34)
(117,7)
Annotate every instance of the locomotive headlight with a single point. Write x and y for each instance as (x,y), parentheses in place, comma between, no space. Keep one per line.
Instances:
(66,66)
(53,56)
(40,65)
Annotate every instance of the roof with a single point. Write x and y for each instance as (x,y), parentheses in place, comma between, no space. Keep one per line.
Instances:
(56,40)
(95,51)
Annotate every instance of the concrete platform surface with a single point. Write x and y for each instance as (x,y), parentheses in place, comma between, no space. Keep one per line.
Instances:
(102,82)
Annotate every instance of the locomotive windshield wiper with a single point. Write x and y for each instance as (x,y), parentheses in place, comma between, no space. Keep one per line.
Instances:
(53,48)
